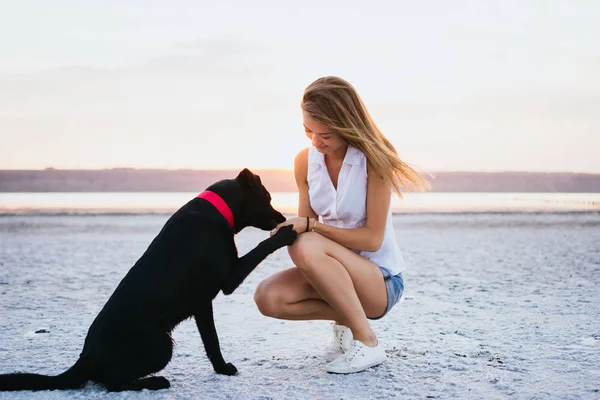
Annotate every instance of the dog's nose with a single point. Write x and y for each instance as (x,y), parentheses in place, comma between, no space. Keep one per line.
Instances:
(280,217)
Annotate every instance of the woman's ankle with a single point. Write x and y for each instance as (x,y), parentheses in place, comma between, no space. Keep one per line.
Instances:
(368,340)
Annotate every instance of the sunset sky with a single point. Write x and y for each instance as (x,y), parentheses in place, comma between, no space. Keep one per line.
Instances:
(455,85)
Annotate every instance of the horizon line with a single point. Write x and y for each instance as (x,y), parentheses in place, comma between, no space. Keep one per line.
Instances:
(482,171)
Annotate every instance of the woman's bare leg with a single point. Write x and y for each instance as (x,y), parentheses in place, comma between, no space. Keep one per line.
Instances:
(330,282)
(288,295)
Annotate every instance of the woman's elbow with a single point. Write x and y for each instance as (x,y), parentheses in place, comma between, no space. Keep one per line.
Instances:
(375,243)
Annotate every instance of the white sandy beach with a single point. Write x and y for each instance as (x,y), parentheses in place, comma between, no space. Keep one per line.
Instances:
(496,306)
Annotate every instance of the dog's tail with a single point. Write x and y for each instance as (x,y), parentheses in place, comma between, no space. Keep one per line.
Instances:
(75,377)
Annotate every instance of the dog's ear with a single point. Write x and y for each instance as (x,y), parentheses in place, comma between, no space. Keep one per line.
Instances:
(247,178)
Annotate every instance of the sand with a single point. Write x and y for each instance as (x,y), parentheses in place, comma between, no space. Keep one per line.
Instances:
(496,306)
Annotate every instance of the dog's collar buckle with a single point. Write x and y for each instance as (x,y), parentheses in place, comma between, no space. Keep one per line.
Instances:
(219,204)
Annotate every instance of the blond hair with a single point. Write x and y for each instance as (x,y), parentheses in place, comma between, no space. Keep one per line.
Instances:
(336,104)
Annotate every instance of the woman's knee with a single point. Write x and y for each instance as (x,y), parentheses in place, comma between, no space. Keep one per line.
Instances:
(304,249)
(268,299)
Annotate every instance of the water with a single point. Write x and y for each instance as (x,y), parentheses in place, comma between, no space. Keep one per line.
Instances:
(23,203)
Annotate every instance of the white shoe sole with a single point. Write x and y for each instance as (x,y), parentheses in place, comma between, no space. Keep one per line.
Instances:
(345,370)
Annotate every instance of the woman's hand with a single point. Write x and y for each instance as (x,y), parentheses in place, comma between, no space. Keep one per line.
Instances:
(299,224)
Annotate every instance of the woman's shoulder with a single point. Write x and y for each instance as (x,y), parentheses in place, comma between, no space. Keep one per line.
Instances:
(307,156)
(355,156)
(302,155)
(301,159)
(301,164)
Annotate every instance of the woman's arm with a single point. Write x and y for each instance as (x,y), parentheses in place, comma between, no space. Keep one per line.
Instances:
(301,175)
(369,237)
(304,208)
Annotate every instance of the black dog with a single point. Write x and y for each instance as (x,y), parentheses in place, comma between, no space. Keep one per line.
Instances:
(193,258)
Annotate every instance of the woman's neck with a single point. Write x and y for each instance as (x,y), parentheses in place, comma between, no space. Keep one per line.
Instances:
(338,155)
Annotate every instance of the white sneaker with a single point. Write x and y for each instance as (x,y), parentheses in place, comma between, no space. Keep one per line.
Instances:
(340,342)
(358,358)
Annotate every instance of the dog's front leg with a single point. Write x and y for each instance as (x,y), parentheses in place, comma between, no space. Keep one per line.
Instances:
(206,326)
(285,236)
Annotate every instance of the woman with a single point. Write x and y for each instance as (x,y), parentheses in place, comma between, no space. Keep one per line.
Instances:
(347,265)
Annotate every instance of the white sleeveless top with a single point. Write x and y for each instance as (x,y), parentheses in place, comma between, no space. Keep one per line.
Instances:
(346,207)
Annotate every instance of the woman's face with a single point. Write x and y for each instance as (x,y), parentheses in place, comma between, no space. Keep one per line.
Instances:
(320,136)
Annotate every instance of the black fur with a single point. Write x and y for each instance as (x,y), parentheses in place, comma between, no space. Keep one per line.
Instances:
(193,258)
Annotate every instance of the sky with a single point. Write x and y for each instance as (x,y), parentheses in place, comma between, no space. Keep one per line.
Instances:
(511,85)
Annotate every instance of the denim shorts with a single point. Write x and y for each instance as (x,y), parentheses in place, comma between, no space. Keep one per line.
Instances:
(394,286)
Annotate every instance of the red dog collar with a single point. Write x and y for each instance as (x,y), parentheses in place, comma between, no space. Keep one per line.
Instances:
(219,204)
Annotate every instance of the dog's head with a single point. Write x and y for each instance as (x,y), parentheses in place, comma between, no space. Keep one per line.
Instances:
(256,209)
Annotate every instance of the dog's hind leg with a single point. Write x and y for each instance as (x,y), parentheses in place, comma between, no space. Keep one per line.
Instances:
(137,359)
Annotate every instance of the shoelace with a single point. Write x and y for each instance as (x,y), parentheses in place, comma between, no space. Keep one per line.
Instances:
(340,338)
(355,349)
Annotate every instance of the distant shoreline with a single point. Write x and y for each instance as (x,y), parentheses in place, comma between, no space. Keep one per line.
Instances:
(158,180)
(138,203)
(290,215)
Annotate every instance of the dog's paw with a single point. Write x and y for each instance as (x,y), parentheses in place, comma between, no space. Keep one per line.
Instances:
(286,235)
(227,369)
